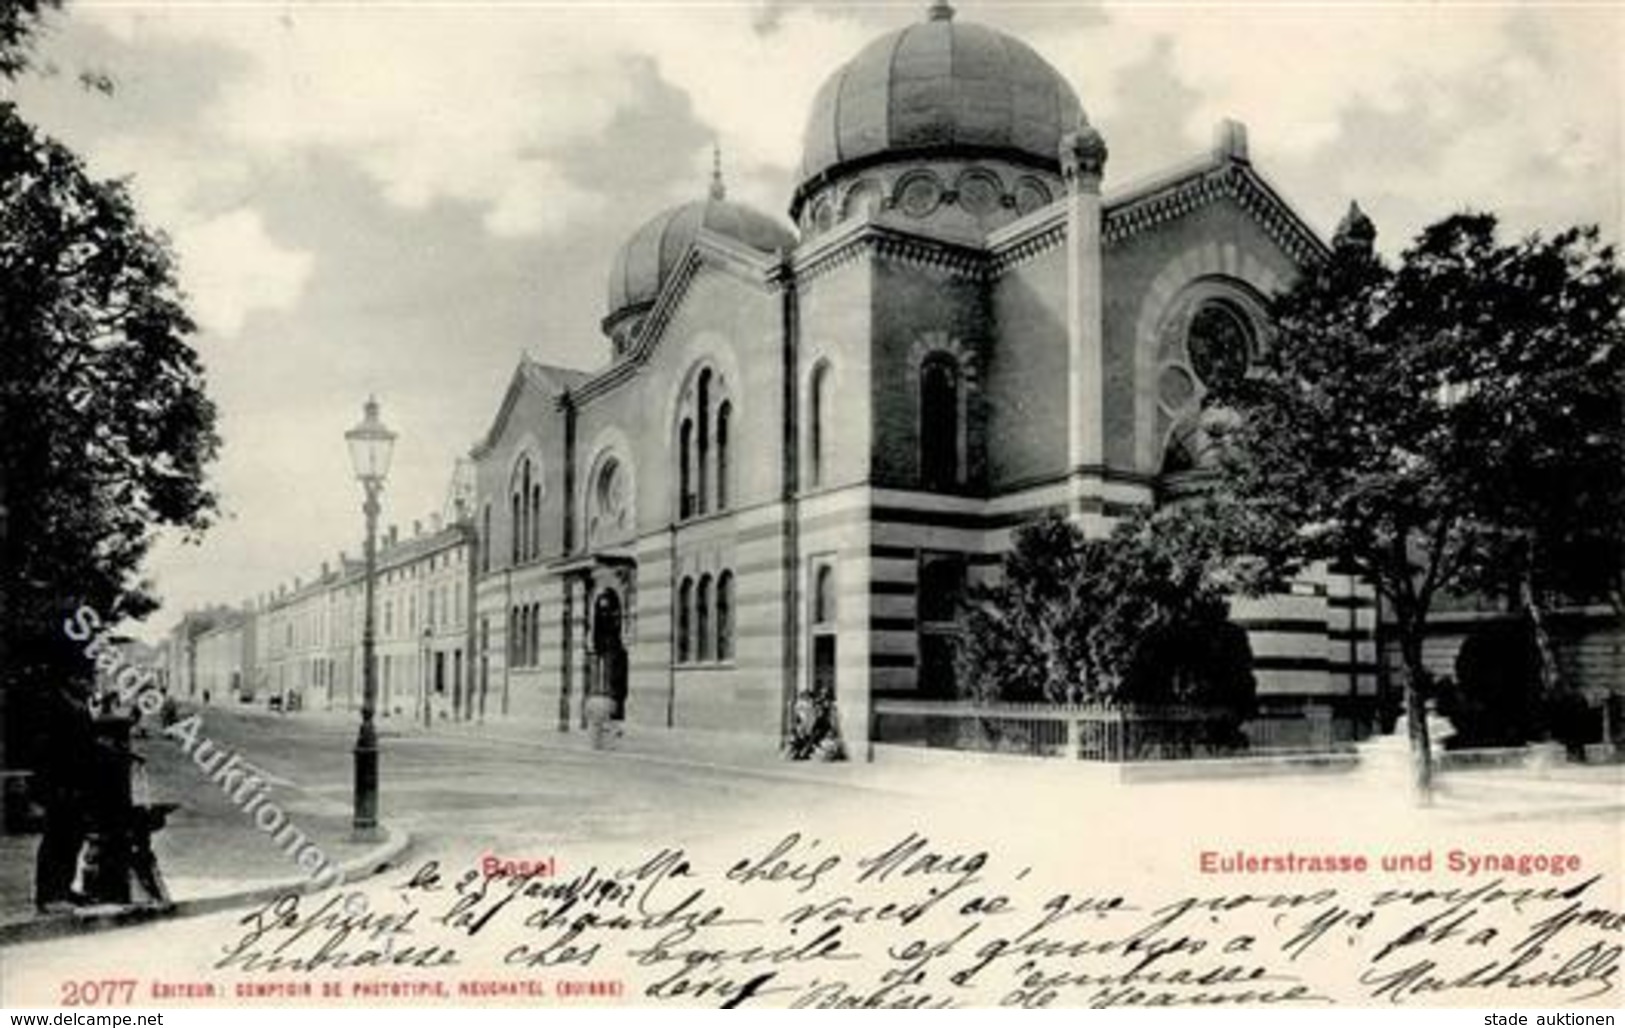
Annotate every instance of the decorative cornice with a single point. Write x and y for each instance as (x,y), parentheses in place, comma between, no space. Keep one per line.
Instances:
(1040,232)
(1128,217)
(869,239)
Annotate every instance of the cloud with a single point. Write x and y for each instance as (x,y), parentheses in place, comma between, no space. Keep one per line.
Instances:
(232,268)
(482,105)
(1514,109)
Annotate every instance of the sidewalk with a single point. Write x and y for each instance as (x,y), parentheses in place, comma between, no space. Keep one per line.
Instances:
(1465,796)
(211,853)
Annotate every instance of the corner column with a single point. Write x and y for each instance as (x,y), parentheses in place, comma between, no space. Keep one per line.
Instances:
(1083,161)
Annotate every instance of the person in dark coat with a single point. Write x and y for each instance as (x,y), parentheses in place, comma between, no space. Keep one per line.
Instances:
(63,770)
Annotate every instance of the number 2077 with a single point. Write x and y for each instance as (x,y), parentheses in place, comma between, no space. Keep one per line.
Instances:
(109,992)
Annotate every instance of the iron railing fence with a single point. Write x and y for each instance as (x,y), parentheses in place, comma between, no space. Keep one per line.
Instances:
(1102,732)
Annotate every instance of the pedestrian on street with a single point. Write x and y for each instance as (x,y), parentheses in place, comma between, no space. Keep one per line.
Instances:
(63,771)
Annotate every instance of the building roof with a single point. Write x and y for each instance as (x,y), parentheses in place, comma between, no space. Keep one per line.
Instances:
(646,261)
(938,86)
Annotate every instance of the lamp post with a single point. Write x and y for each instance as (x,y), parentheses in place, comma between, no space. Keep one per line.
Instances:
(371,445)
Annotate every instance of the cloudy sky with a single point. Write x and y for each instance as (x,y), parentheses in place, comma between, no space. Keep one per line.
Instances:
(401,197)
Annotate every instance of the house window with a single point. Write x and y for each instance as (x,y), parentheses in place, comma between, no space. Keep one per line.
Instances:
(702,615)
(725,616)
(939,422)
(685,621)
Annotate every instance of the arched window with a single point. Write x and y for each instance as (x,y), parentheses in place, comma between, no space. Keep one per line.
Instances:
(817,402)
(525,501)
(702,618)
(685,621)
(824,595)
(703,444)
(485,537)
(685,490)
(724,415)
(535,634)
(725,616)
(513,528)
(939,422)
(536,519)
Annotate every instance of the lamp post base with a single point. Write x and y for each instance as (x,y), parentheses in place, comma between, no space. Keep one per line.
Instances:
(364,826)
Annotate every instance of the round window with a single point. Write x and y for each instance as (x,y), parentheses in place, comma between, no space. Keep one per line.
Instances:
(1219,343)
(919,195)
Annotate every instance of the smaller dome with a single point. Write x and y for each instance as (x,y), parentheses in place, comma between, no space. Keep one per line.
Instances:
(646,261)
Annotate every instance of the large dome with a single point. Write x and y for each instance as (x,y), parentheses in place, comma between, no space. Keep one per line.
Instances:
(647,260)
(938,87)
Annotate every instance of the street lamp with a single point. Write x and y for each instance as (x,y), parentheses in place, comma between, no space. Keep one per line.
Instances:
(371,445)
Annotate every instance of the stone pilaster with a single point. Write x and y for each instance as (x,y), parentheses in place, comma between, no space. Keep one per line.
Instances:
(1083,161)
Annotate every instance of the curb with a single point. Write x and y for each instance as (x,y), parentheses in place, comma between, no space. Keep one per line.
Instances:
(788,773)
(358,868)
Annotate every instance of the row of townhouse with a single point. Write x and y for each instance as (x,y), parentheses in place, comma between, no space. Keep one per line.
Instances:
(298,646)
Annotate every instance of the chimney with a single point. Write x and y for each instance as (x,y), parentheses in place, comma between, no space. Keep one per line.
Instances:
(417,528)
(324,569)
(394,534)
(434,523)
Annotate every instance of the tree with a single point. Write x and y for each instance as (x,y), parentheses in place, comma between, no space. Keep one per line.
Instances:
(1138,617)
(19,23)
(107,429)
(1417,421)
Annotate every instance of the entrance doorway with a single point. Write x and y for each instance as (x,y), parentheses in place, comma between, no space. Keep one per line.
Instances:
(609,651)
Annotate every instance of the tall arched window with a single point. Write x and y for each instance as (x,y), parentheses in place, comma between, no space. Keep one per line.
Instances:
(526,502)
(702,618)
(824,595)
(703,442)
(939,422)
(685,464)
(513,636)
(535,634)
(535,519)
(817,402)
(485,537)
(725,616)
(685,621)
(724,416)
(513,528)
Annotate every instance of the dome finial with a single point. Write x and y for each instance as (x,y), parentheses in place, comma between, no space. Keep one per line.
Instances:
(940,10)
(718,190)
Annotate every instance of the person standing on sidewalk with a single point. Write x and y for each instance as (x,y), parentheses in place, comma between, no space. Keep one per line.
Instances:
(66,758)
